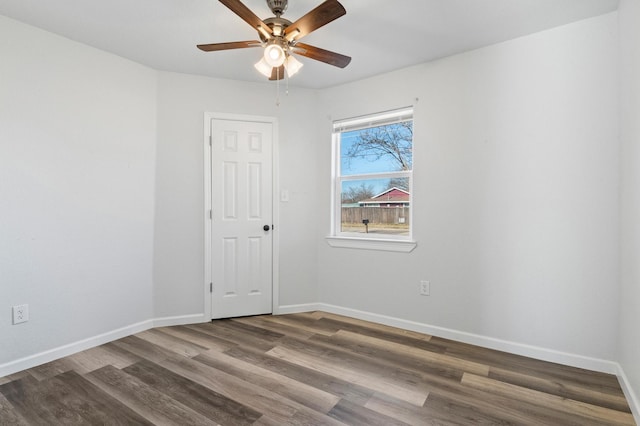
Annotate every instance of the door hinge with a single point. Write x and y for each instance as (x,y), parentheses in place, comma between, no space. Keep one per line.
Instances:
(210,287)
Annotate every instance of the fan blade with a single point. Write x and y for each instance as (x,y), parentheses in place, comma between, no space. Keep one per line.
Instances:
(277,73)
(322,55)
(318,17)
(227,46)
(248,16)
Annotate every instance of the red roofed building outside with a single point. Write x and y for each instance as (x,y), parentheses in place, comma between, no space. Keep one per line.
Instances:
(392,197)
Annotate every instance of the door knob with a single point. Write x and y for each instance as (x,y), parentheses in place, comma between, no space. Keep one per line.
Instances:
(266,227)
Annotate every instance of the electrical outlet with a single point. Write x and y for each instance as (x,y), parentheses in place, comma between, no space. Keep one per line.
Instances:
(20,313)
(425,288)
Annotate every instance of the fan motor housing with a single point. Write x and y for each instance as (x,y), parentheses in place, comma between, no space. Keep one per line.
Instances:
(275,22)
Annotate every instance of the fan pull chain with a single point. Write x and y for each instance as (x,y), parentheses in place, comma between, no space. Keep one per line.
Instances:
(278,86)
(286,76)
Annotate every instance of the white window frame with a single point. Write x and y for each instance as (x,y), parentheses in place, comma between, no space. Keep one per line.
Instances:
(337,238)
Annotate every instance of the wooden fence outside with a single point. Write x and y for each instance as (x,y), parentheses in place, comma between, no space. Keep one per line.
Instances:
(381,215)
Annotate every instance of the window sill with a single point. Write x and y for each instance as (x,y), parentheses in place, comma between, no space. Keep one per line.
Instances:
(400,246)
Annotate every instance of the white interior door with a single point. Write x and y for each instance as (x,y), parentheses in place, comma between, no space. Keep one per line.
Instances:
(242,218)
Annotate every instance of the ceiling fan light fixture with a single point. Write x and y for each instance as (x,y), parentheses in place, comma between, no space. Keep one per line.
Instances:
(292,65)
(274,54)
(263,67)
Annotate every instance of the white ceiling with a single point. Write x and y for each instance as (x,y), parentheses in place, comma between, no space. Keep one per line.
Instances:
(380,35)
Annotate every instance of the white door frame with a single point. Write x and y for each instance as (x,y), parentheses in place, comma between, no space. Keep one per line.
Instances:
(208,116)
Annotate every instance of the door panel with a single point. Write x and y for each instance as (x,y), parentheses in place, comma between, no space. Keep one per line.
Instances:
(241,156)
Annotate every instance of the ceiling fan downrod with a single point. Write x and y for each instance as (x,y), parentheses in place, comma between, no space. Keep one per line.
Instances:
(277,6)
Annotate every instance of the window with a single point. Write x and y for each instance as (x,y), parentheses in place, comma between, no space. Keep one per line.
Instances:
(372,177)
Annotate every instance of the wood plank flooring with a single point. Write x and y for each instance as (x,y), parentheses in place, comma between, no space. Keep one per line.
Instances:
(304,369)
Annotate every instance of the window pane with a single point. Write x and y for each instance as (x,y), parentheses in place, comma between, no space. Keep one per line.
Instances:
(379,149)
(375,206)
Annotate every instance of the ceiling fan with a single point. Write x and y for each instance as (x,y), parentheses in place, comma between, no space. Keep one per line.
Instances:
(280,37)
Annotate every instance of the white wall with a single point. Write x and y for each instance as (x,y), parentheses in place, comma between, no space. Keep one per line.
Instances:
(629,337)
(179,224)
(77,147)
(515,193)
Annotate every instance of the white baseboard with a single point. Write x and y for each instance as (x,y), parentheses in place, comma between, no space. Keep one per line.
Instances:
(91,342)
(71,348)
(543,354)
(632,398)
(180,320)
(296,309)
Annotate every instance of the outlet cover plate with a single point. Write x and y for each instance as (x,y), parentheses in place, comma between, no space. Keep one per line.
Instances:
(425,288)
(20,314)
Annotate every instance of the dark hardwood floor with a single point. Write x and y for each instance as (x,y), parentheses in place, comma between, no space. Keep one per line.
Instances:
(305,369)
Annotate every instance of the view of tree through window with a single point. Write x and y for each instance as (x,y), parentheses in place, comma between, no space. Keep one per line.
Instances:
(373,174)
